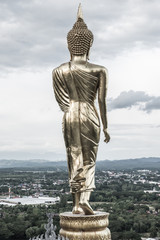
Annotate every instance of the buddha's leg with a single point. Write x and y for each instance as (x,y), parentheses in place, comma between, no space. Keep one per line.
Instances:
(76,207)
(84,203)
(90,147)
(72,139)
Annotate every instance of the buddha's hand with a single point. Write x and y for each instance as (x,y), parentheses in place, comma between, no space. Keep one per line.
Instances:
(107,137)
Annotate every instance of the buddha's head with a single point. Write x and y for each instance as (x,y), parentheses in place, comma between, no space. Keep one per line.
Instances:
(79,38)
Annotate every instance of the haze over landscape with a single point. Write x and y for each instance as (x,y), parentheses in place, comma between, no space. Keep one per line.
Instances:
(33,43)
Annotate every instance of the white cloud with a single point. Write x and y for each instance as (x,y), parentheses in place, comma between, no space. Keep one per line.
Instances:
(34,32)
(135,98)
(33,42)
(129,141)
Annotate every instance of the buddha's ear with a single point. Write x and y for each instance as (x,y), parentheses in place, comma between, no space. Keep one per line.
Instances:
(88,52)
(91,42)
(70,54)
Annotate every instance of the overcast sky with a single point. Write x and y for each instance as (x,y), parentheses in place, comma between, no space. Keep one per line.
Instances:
(33,42)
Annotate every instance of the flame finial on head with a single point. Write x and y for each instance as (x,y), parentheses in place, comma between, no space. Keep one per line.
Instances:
(79,13)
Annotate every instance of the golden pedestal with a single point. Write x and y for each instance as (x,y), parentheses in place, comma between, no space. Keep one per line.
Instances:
(85,227)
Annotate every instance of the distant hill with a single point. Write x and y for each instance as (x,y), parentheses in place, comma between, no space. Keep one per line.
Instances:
(138,163)
(33,163)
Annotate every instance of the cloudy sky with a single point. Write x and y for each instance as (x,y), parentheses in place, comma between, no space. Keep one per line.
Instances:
(33,42)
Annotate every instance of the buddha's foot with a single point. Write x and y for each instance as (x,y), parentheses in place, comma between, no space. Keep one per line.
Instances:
(86,208)
(77,210)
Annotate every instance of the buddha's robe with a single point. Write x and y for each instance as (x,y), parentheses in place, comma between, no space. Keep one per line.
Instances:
(75,91)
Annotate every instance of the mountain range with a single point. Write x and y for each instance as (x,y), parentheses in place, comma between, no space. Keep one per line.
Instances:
(138,163)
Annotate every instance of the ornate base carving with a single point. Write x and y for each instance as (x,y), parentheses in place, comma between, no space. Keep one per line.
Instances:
(85,227)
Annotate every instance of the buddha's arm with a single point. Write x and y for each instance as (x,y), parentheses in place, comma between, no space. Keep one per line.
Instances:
(60,91)
(102,93)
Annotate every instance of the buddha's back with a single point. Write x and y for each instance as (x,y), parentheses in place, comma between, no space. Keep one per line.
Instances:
(76,84)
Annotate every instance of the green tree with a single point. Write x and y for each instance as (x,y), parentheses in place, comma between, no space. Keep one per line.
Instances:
(153,232)
(5,233)
(32,232)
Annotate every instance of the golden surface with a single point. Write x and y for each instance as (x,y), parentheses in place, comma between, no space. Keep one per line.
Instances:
(76,85)
(81,227)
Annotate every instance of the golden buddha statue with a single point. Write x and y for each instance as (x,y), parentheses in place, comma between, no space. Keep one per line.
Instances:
(76,84)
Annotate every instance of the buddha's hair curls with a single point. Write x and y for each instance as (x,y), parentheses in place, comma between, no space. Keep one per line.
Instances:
(79,38)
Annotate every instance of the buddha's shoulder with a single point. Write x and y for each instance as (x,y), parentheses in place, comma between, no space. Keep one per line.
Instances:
(62,67)
(91,66)
(97,68)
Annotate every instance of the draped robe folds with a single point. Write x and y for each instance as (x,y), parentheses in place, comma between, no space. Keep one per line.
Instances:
(75,91)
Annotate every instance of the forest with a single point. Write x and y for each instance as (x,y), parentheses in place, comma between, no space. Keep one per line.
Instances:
(134,212)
